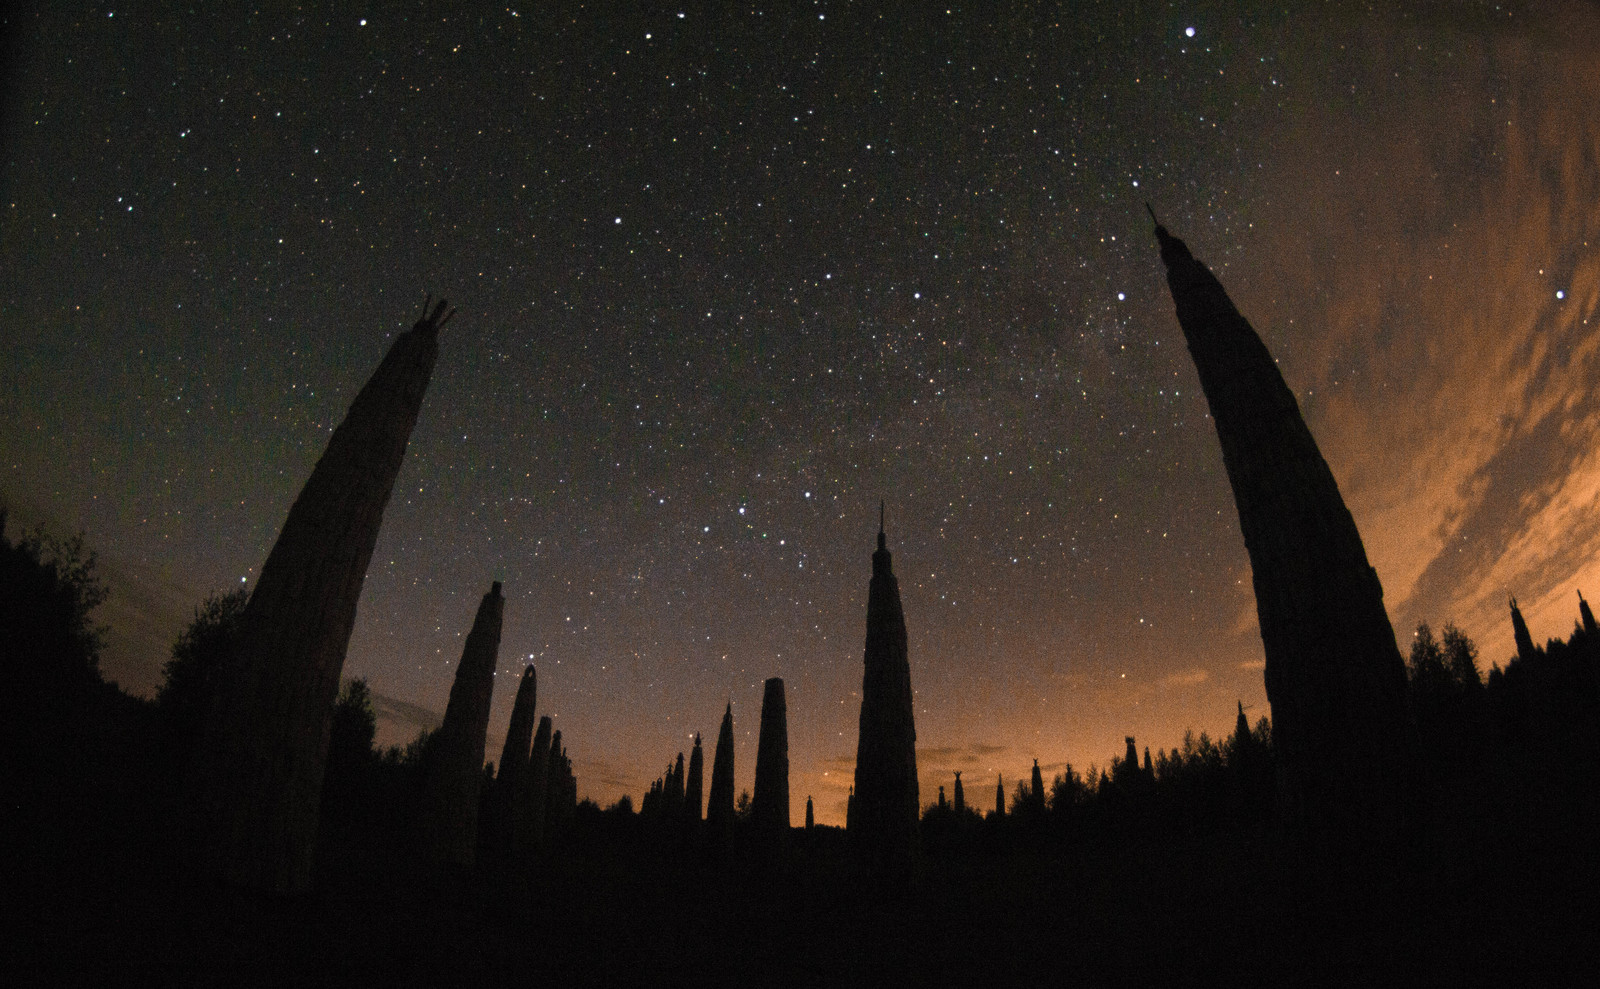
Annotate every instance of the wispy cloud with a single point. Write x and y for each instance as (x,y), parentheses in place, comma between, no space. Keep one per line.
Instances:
(1451,388)
(1186,678)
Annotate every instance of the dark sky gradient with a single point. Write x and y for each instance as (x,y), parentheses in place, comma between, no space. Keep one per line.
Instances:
(726,281)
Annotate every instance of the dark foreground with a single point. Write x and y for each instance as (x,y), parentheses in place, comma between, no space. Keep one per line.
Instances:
(1498,890)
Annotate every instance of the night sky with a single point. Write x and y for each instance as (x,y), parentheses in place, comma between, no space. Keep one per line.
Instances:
(726,281)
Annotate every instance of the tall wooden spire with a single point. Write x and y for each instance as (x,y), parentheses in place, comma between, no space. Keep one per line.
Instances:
(1334,674)
(454,765)
(769,810)
(719,804)
(886,799)
(256,780)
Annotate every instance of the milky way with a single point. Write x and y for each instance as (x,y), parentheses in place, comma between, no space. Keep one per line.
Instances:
(725,282)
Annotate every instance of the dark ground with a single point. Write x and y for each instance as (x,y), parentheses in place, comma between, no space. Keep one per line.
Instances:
(98,896)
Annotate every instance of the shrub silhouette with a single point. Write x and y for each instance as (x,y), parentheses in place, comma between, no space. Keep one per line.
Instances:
(49,646)
(188,678)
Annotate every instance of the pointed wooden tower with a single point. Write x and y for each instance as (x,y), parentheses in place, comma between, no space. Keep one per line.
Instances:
(1526,650)
(1334,675)
(453,770)
(256,780)
(527,812)
(693,787)
(887,802)
(719,804)
(513,767)
(769,808)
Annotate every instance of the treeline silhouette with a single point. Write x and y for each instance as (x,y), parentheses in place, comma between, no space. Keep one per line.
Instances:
(1530,721)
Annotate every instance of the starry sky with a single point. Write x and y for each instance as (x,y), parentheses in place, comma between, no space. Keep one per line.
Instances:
(726,281)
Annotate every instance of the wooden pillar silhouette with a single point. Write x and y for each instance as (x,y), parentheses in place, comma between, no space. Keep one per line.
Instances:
(255,783)
(886,798)
(513,769)
(527,819)
(769,808)
(453,770)
(550,809)
(719,805)
(1519,631)
(675,791)
(1334,675)
(693,795)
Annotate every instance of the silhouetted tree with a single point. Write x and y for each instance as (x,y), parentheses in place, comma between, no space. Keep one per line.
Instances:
(811,819)
(1461,658)
(999,796)
(1068,791)
(49,646)
(1447,701)
(347,783)
(354,726)
(741,809)
(960,797)
(188,678)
